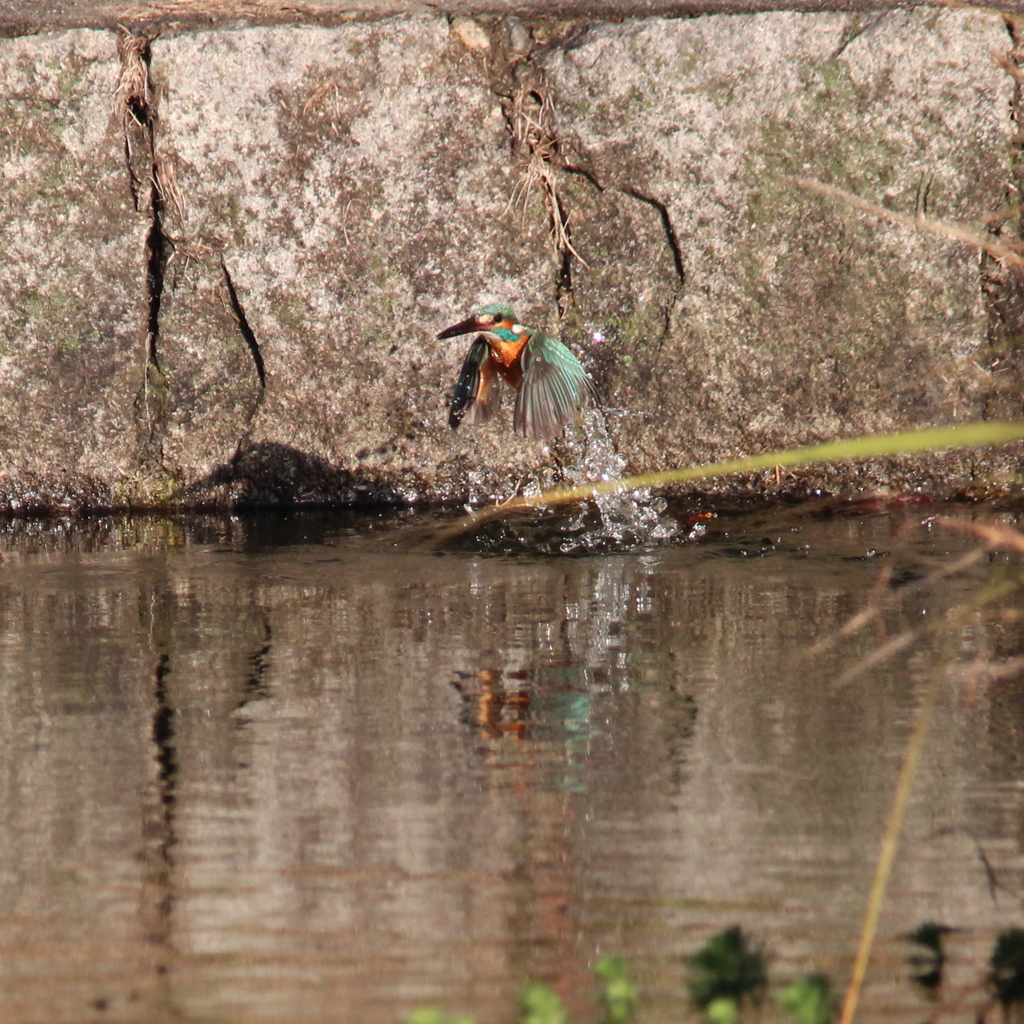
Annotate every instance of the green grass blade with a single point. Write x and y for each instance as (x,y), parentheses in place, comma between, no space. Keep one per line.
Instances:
(961,435)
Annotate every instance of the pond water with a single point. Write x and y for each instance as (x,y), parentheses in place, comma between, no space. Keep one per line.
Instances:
(313,768)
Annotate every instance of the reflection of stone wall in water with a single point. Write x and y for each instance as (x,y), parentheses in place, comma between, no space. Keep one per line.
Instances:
(329,197)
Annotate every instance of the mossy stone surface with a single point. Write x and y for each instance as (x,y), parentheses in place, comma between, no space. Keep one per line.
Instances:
(794,319)
(72,296)
(363,186)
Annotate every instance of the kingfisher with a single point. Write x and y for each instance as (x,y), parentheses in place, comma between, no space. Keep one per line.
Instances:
(549,380)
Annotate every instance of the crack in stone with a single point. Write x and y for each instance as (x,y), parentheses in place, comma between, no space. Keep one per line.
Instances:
(1003,287)
(671,238)
(243,325)
(563,287)
(135,103)
(136,106)
(855,28)
(529,120)
(156,263)
(529,116)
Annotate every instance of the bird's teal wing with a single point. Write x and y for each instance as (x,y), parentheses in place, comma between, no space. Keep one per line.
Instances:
(477,393)
(554,386)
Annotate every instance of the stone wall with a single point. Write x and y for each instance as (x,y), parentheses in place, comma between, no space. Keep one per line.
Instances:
(227,251)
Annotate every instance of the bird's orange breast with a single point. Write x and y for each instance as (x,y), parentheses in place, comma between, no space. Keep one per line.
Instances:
(505,358)
(506,352)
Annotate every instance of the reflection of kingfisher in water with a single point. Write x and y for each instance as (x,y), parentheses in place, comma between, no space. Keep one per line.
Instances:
(486,699)
(531,774)
(551,384)
(554,711)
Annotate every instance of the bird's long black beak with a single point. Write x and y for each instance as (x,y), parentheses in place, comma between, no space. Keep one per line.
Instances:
(465,327)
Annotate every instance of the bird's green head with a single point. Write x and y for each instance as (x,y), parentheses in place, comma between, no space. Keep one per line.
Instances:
(497,319)
(498,311)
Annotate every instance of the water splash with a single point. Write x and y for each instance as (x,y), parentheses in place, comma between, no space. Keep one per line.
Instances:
(620,521)
(477,489)
(634,518)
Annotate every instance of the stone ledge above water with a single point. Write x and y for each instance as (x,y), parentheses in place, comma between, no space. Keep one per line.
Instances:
(330,196)
(22,17)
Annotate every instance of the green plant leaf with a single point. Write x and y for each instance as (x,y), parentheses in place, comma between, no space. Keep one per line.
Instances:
(723,1010)
(619,995)
(726,967)
(541,1005)
(808,1000)
(430,1015)
(1007,967)
(927,966)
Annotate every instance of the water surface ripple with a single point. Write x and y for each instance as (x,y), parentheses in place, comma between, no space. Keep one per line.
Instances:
(294,769)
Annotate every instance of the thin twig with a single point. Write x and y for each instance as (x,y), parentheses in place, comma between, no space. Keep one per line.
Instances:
(1000,250)
(871,611)
(887,853)
(883,869)
(994,536)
